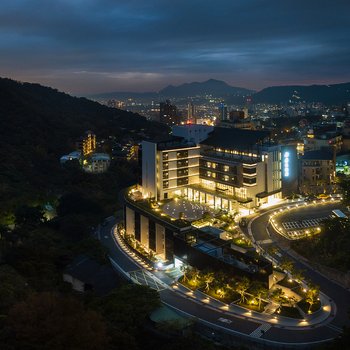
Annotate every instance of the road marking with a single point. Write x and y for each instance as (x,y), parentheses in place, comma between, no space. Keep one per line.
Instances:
(290,225)
(334,328)
(224,320)
(262,329)
(142,277)
(264,241)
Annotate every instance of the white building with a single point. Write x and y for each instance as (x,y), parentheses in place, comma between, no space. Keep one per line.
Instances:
(97,163)
(228,168)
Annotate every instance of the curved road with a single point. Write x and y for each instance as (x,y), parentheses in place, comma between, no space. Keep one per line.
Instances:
(261,231)
(273,336)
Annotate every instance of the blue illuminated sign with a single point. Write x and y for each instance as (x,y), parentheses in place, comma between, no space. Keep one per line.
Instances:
(286,163)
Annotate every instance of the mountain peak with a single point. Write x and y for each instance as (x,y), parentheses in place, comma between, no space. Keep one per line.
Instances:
(213,87)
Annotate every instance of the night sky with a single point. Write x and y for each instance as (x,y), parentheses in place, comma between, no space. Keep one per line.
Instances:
(89,46)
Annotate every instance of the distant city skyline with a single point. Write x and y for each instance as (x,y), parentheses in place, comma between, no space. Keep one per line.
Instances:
(97,46)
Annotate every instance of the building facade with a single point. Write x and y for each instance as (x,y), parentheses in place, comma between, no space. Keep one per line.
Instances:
(168,113)
(87,144)
(168,166)
(175,242)
(228,168)
(317,172)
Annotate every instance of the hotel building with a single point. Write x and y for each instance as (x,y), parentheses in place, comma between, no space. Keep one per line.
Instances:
(226,169)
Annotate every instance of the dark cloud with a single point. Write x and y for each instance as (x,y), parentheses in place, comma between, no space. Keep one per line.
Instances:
(84,46)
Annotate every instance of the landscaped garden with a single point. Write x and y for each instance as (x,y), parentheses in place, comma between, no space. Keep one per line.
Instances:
(286,298)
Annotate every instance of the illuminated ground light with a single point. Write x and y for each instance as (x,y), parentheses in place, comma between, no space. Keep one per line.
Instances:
(225,307)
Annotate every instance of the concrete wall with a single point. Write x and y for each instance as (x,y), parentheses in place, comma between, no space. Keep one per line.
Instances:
(144,231)
(149,168)
(160,239)
(130,221)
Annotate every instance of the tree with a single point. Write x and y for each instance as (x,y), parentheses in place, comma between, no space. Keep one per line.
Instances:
(76,203)
(259,291)
(272,250)
(195,275)
(286,264)
(29,216)
(221,292)
(230,285)
(344,185)
(49,321)
(13,287)
(298,275)
(208,279)
(241,287)
(207,215)
(127,307)
(312,295)
(186,270)
(278,295)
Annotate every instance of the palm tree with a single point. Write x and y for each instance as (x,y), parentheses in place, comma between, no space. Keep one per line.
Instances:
(241,287)
(208,279)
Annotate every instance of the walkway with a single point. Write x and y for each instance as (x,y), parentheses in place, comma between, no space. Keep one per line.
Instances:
(234,321)
(160,280)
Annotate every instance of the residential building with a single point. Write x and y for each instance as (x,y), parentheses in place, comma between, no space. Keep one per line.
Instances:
(87,144)
(322,141)
(97,163)
(191,113)
(76,155)
(168,113)
(223,114)
(317,172)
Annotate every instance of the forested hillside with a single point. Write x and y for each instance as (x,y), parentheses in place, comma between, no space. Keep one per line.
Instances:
(40,124)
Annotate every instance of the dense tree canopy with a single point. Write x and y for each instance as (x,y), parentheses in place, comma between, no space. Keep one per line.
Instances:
(331,247)
(37,126)
(49,321)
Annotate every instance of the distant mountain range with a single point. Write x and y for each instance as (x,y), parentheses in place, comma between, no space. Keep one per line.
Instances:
(216,88)
(327,94)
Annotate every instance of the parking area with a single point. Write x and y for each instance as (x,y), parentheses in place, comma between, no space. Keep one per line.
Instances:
(292,225)
(304,220)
